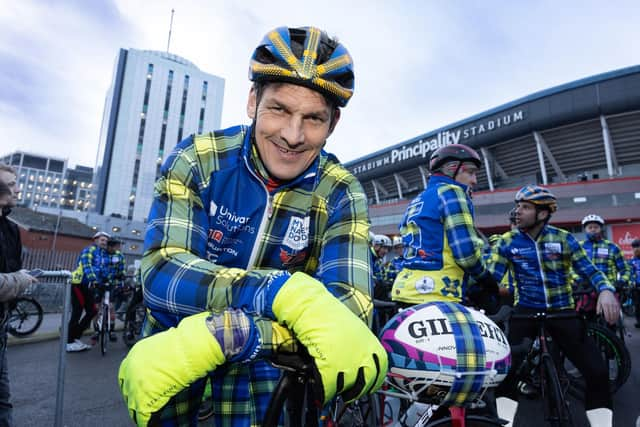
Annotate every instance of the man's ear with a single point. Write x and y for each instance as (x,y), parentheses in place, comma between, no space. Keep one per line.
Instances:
(545,216)
(251,104)
(334,122)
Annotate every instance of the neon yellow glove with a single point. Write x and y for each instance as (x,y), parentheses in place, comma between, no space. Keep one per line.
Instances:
(350,359)
(160,366)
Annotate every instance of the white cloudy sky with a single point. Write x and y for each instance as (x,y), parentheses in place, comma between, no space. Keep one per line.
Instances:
(420,64)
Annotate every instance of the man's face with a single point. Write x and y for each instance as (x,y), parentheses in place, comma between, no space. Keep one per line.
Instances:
(382,251)
(526,215)
(593,228)
(292,125)
(636,252)
(101,241)
(10,180)
(398,250)
(467,175)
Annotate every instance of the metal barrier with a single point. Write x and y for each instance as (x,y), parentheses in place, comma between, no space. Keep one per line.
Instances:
(65,274)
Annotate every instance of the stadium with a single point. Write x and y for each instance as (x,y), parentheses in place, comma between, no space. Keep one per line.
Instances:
(580,139)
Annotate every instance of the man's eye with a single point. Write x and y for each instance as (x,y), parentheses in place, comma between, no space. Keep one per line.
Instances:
(316,119)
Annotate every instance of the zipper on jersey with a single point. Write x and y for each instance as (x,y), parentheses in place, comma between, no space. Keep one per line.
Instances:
(266,214)
(542,275)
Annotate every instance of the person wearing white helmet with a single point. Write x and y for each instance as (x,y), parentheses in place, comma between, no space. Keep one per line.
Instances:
(92,270)
(380,247)
(394,266)
(603,253)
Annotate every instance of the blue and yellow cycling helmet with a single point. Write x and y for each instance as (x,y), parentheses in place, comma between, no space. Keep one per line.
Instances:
(305,56)
(537,195)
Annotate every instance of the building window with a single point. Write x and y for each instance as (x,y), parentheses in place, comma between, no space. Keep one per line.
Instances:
(183,107)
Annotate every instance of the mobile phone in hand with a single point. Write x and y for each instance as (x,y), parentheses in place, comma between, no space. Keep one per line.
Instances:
(35,273)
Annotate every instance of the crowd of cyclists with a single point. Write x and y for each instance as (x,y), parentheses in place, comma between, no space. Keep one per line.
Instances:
(285,260)
(100,265)
(536,266)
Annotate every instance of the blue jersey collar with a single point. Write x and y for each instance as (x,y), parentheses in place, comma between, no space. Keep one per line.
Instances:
(440,178)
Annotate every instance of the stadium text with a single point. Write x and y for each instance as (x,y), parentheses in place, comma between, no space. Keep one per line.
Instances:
(423,147)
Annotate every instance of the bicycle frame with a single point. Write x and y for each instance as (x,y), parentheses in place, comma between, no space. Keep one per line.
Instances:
(103,321)
(295,388)
(553,392)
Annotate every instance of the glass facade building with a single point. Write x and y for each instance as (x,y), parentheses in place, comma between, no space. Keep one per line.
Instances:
(156,99)
(47,182)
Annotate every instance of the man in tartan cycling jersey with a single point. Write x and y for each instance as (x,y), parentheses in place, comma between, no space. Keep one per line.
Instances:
(541,258)
(603,253)
(256,233)
(442,249)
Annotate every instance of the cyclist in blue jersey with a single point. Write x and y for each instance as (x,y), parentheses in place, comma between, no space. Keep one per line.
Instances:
(255,235)
(92,270)
(603,253)
(395,265)
(380,246)
(635,265)
(542,257)
(442,249)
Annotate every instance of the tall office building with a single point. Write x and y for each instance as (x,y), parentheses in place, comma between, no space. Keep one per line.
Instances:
(156,99)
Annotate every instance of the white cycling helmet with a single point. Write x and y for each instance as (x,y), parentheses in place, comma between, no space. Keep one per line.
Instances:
(101,234)
(397,241)
(592,218)
(382,240)
(444,352)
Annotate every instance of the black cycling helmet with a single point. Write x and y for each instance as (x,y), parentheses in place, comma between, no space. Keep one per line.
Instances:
(453,152)
(512,216)
(305,56)
(113,242)
(635,243)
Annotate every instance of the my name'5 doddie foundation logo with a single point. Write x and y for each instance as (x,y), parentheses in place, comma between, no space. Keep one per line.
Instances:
(297,235)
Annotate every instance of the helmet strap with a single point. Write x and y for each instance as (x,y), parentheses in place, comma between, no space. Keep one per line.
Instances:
(455,172)
(537,222)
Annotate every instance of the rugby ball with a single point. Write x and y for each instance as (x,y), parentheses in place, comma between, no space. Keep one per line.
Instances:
(445,343)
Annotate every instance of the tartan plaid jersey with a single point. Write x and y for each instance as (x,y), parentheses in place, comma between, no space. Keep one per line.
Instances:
(439,239)
(216,235)
(93,266)
(542,267)
(608,258)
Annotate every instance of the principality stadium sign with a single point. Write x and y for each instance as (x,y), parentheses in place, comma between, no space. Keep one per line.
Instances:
(424,146)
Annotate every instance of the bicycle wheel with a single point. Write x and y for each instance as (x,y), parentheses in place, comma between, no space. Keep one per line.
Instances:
(104,330)
(558,411)
(25,317)
(133,324)
(614,352)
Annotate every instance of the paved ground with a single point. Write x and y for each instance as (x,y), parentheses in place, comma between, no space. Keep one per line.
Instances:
(91,395)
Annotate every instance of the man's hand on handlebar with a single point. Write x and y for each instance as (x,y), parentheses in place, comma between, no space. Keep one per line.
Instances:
(608,306)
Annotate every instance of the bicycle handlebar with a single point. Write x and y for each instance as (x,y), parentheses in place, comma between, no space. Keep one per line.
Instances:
(384,304)
(49,273)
